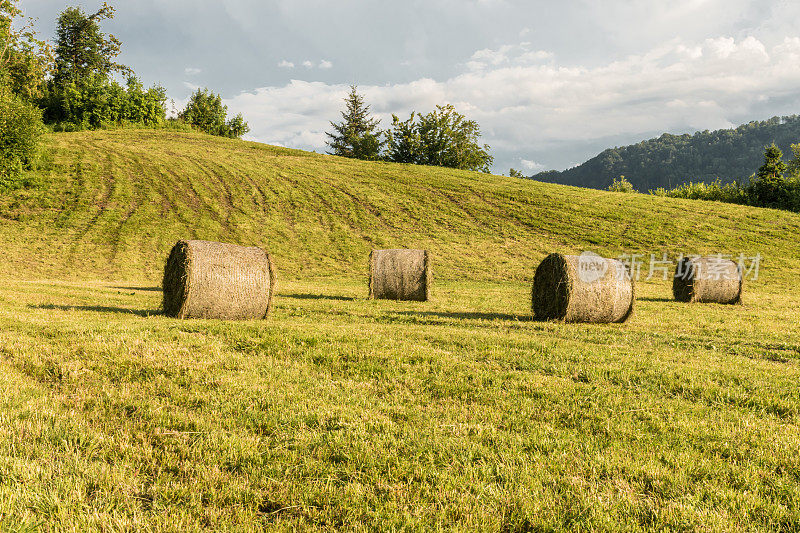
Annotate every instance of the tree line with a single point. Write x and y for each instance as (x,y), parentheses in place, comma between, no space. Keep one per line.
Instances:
(776,184)
(670,160)
(74,84)
(442,137)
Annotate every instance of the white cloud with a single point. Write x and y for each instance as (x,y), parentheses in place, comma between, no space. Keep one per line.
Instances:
(526,102)
(518,54)
(191,71)
(324,64)
(532,165)
(191,86)
(285,64)
(308,64)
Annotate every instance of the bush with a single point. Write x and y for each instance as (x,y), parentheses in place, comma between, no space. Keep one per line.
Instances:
(102,103)
(20,130)
(716,192)
(783,193)
(621,185)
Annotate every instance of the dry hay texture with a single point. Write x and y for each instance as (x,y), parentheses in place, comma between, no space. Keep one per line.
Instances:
(603,295)
(709,280)
(400,275)
(204,279)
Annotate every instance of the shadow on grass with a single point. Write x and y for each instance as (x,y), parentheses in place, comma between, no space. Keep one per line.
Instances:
(649,299)
(305,296)
(148,289)
(99,309)
(468,315)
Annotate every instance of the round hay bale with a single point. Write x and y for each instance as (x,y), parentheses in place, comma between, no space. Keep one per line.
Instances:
(204,279)
(708,279)
(400,275)
(582,288)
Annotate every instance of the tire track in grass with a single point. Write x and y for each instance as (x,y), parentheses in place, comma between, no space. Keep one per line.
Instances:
(101,202)
(136,170)
(227,201)
(195,201)
(330,216)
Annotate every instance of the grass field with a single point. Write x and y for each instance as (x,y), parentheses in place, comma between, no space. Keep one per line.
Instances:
(345,412)
(111,204)
(341,412)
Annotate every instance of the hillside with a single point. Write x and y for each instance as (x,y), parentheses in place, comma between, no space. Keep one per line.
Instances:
(109,205)
(670,160)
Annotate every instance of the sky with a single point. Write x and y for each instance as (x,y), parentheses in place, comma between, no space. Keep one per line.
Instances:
(551,83)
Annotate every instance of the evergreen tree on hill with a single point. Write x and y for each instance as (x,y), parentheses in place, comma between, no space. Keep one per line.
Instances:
(356,135)
(773,167)
(770,188)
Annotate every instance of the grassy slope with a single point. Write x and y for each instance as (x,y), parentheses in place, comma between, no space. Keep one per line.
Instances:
(115,202)
(345,412)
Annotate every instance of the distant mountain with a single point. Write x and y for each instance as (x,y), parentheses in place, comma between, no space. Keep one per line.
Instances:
(671,160)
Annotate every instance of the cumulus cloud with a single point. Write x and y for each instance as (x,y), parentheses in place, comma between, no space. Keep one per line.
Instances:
(191,71)
(519,54)
(532,165)
(527,103)
(324,64)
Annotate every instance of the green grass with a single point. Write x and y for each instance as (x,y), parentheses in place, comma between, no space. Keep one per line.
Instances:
(341,412)
(112,203)
(345,412)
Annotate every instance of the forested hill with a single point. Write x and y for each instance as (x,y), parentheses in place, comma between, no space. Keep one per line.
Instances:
(671,160)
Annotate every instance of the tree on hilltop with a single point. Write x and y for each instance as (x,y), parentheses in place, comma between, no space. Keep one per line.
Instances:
(356,135)
(82,49)
(770,188)
(443,138)
(24,62)
(82,92)
(206,112)
(773,167)
(403,142)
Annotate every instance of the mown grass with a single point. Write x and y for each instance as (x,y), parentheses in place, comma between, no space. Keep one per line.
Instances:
(341,412)
(111,204)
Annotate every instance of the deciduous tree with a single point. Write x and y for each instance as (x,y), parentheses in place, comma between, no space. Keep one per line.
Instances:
(444,137)
(82,50)
(206,112)
(24,59)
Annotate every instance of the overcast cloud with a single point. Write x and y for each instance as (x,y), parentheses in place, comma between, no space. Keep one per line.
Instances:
(551,84)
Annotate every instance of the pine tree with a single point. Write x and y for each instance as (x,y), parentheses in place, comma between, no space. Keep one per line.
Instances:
(773,167)
(356,135)
(770,188)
